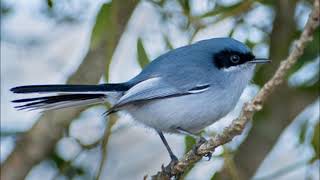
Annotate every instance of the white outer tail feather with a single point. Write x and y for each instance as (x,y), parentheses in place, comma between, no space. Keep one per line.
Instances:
(67,104)
(45,104)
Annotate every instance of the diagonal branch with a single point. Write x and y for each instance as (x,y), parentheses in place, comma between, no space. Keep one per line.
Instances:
(237,126)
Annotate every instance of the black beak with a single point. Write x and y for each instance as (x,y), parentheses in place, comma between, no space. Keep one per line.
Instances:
(260,60)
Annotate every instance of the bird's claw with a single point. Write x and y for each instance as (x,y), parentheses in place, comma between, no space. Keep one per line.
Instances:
(174,159)
(201,141)
(208,155)
(167,169)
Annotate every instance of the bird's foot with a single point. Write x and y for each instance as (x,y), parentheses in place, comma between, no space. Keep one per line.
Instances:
(167,169)
(201,140)
(174,159)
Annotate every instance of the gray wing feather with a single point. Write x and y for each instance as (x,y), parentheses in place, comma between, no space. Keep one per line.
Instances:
(154,88)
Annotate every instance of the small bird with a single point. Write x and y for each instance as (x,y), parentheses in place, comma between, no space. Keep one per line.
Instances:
(182,91)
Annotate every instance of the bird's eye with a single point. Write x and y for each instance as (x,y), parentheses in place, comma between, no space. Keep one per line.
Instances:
(234,59)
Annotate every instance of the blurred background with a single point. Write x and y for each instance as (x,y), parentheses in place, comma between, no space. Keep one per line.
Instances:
(89,42)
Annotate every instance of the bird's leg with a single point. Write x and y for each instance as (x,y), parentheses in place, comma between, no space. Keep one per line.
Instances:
(200,140)
(172,156)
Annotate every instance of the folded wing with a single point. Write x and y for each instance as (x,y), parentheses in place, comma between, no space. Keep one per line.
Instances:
(154,88)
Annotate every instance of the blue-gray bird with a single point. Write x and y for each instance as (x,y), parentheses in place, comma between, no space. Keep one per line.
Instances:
(182,91)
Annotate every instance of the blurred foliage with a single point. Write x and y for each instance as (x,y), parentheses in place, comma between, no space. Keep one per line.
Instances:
(49,3)
(216,176)
(230,11)
(315,139)
(69,168)
(6,9)
(303,131)
(311,52)
(66,168)
(103,20)
(142,55)
(71,11)
(188,22)
(110,24)
(185,5)
(189,144)
(316,142)
(168,43)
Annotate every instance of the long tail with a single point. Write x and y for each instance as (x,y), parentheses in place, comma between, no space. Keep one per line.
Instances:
(72,95)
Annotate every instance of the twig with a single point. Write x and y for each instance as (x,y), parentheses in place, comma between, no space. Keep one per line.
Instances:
(112,120)
(237,126)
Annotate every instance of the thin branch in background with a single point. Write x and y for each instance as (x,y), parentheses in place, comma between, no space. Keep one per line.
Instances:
(238,11)
(104,145)
(237,126)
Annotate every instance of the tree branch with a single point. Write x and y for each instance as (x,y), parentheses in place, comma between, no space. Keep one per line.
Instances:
(237,126)
(273,116)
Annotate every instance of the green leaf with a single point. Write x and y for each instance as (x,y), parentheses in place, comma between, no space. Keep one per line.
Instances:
(103,21)
(142,55)
(104,33)
(234,10)
(167,41)
(185,5)
(50,3)
(316,142)
(189,143)
(303,131)
(5,8)
(58,160)
(215,176)
(159,3)
(221,10)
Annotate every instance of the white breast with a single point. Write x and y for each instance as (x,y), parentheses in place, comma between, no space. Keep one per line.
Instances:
(190,112)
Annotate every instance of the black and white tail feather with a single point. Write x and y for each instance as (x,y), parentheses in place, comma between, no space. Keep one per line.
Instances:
(66,95)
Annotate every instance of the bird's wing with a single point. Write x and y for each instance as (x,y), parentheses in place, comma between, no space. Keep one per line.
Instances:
(156,88)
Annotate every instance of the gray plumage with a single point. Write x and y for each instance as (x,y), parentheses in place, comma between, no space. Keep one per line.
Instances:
(162,96)
(182,88)
(187,88)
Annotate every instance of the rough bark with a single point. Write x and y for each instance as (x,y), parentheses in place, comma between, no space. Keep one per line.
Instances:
(39,142)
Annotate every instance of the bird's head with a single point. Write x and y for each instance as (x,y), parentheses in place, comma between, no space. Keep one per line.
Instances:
(229,54)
